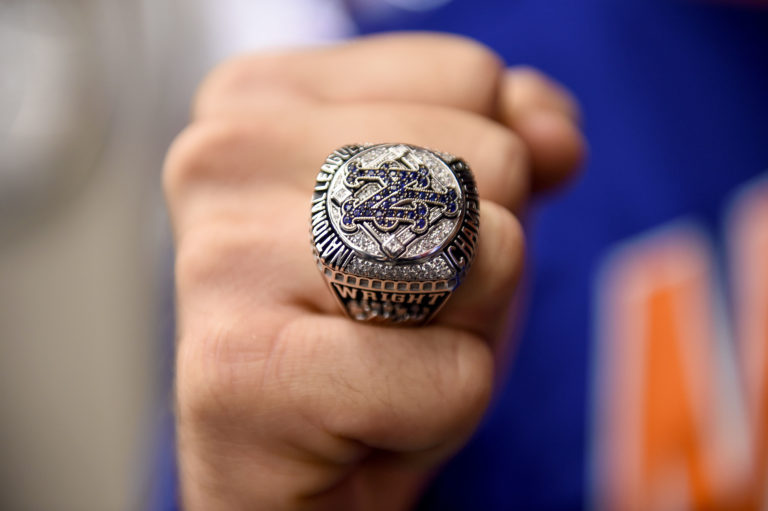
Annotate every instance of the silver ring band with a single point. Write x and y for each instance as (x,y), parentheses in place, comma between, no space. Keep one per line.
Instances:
(394,229)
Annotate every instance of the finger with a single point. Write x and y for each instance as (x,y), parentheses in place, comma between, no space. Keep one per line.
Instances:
(525,89)
(432,69)
(542,131)
(480,303)
(401,389)
(247,252)
(425,68)
(545,116)
(232,248)
(289,145)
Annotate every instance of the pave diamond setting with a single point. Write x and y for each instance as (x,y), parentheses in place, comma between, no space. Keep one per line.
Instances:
(387,198)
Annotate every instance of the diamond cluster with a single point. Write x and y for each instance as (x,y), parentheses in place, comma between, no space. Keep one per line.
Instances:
(434,268)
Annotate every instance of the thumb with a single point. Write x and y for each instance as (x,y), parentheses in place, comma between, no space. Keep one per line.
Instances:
(397,389)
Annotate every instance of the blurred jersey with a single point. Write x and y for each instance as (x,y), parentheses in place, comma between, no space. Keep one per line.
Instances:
(640,379)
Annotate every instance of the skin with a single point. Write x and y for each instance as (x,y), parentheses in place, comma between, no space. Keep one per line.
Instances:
(282,402)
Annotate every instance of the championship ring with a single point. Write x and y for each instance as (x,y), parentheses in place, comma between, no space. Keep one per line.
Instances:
(394,230)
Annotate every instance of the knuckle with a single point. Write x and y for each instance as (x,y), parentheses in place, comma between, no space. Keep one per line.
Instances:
(475,59)
(233,77)
(463,51)
(501,254)
(207,387)
(217,152)
(469,54)
(196,259)
(479,67)
(530,76)
(511,150)
(534,88)
(480,60)
(212,251)
(204,151)
(510,168)
(474,383)
(511,243)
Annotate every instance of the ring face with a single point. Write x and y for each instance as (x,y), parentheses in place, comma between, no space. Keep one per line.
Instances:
(394,229)
(395,203)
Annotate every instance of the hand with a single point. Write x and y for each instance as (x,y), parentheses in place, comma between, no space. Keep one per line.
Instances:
(282,402)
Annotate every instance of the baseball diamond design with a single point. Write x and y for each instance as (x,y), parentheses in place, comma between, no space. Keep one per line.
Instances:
(405,197)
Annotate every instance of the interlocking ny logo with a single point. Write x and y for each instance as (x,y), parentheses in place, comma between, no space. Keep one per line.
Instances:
(406,196)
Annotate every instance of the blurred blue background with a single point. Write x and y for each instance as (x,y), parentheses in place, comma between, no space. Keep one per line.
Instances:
(675,102)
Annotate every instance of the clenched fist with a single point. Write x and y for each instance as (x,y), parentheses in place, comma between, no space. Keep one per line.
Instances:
(282,402)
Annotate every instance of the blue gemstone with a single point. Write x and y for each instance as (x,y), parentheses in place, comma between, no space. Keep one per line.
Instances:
(379,213)
(421,210)
(423,170)
(420,223)
(451,207)
(357,212)
(346,220)
(411,215)
(422,195)
(452,194)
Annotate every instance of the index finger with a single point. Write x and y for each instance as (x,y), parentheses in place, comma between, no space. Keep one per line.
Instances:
(439,69)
